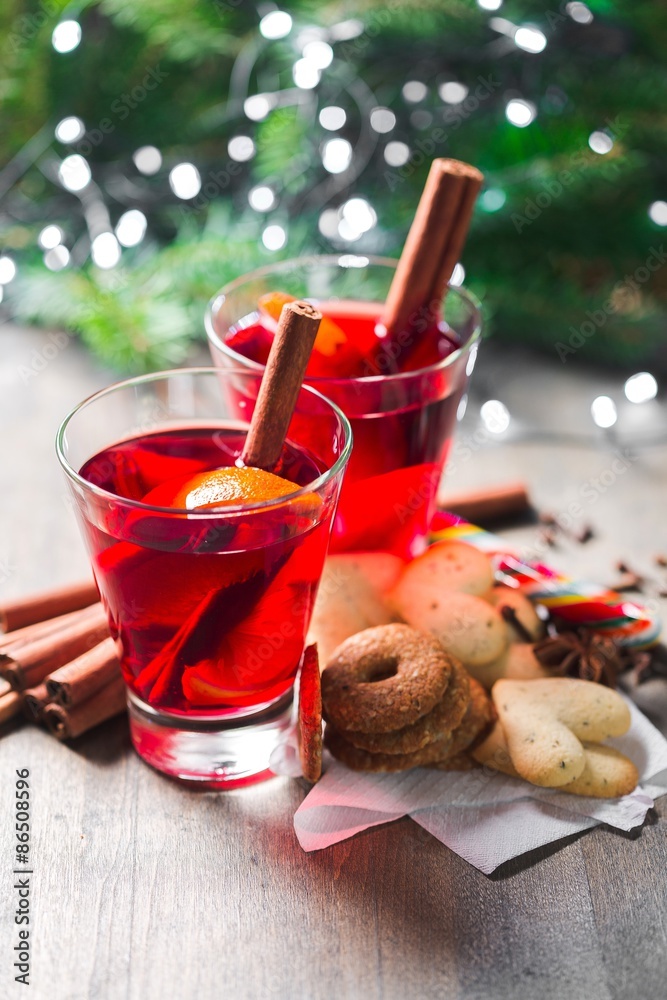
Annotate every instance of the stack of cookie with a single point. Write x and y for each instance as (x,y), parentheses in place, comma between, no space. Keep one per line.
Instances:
(394,699)
(449,591)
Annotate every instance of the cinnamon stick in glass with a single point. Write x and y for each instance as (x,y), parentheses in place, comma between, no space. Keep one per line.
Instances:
(79,680)
(432,248)
(50,603)
(281,382)
(68,723)
(29,664)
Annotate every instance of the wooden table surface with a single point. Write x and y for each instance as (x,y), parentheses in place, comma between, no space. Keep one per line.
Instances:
(144,890)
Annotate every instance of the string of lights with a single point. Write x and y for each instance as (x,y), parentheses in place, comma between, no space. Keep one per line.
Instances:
(341,133)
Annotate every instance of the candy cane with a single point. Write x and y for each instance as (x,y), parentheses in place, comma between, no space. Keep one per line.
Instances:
(577,602)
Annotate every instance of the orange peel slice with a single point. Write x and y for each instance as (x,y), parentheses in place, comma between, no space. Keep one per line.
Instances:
(227,487)
(329,336)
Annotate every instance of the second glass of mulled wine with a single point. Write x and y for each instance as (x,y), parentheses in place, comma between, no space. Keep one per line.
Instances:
(402,398)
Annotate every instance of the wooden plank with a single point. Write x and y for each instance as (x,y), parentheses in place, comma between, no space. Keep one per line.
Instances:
(144,889)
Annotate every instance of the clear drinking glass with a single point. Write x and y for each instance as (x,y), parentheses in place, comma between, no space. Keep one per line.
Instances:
(402,420)
(209,607)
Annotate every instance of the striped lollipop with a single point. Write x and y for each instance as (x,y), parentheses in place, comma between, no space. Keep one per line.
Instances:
(581,604)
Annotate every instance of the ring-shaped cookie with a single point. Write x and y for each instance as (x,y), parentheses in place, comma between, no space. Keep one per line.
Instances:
(437,724)
(384,678)
(361,760)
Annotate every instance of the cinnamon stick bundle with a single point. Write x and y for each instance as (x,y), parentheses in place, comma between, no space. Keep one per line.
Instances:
(66,724)
(79,680)
(432,248)
(40,630)
(39,607)
(27,665)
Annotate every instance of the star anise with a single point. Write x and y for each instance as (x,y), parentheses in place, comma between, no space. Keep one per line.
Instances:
(584,654)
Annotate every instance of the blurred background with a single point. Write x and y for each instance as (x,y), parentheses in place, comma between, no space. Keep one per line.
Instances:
(153,149)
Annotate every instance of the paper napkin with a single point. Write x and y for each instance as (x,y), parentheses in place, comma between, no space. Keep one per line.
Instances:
(485,817)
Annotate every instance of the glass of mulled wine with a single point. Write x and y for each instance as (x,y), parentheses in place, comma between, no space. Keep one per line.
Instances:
(208,571)
(401,394)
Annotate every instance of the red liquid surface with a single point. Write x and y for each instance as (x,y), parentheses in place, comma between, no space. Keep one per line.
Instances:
(211,611)
(401,436)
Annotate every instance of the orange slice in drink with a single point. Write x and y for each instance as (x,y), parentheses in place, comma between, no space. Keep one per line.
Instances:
(329,336)
(227,487)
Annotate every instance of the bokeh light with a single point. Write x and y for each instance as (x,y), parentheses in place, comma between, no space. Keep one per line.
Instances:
(332,118)
(396,154)
(147,160)
(70,129)
(185,181)
(74,173)
(275,24)
(382,120)
(495,416)
(241,148)
(66,36)
(274,237)
(603,411)
(262,198)
(453,92)
(520,113)
(336,155)
(105,250)
(641,387)
(600,142)
(7,270)
(530,39)
(414,91)
(131,228)
(50,237)
(56,258)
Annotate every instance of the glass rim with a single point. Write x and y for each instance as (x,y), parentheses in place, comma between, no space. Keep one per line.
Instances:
(462,293)
(258,506)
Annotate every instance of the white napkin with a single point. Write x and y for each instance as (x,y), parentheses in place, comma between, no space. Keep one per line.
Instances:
(485,817)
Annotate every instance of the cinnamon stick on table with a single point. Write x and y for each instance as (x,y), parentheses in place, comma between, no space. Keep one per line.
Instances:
(35,700)
(432,248)
(67,723)
(29,664)
(85,676)
(10,705)
(489,504)
(39,630)
(281,382)
(48,604)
